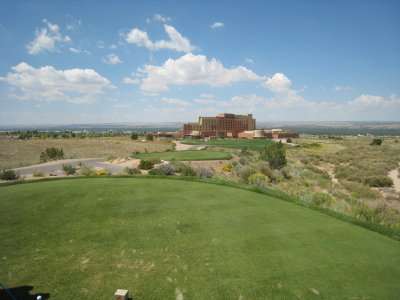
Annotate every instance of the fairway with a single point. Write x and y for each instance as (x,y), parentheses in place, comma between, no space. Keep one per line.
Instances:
(186,155)
(255,145)
(163,238)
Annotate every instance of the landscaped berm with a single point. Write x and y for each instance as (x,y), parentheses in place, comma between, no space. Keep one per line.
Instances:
(85,238)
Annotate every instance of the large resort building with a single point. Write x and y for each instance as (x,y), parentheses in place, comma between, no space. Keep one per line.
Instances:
(231,126)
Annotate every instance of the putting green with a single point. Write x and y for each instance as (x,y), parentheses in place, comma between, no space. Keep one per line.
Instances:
(160,238)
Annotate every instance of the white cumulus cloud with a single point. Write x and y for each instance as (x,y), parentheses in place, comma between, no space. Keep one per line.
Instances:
(176,40)
(112,59)
(193,69)
(217,25)
(339,88)
(278,83)
(47,39)
(129,80)
(48,84)
(158,17)
(367,100)
(176,101)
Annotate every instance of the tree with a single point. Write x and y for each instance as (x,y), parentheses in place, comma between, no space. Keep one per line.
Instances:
(376,142)
(149,137)
(134,136)
(275,156)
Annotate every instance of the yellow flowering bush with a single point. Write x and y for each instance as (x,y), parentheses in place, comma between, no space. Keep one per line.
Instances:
(258,179)
(227,168)
(101,173)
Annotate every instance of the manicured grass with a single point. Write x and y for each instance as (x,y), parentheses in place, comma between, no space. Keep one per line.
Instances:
(255,145)
(159,238)
(186,155)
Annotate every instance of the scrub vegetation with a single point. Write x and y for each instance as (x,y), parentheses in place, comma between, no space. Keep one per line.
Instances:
(164,238)
(16,152)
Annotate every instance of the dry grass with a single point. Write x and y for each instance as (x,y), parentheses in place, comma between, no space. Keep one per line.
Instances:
(18,153)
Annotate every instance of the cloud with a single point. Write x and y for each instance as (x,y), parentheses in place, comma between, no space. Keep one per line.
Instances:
(129,80)
(249,61)
(158,17)
(47,38)
(74,50)
(176,40)
(339,88)
(278,83)
(111,59)
(176,101)
(49,84)
(370,101)
(193,69)
(100,44)
(217,25)
(124,105)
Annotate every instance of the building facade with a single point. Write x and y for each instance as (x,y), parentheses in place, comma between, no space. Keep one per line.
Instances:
(269,134)
(223,125)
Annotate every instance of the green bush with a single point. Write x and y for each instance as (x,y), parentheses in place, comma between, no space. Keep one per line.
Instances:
(274,155)
(320,198)
(379,181)
(8,175)
(149,137)
(156,172)
(68,169)
(86,171)
(288,140)
(359,190)
(131,171)
(51,153)
(134,136)
(188,171)
(376,142)
(145,164)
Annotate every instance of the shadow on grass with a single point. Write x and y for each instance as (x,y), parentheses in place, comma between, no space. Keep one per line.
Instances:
(21,293)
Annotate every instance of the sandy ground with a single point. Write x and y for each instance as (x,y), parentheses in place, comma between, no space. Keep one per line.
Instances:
(394,175)
(182,147)
(124,162)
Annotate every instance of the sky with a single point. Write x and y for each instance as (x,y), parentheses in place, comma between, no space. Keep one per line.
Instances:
(69,62)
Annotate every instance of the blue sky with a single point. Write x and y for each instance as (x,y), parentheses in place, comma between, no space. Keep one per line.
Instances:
(148,61)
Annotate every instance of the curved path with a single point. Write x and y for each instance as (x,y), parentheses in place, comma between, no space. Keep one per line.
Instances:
(55,167)
(183,147)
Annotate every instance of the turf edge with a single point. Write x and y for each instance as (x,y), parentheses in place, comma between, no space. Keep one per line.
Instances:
(386,231)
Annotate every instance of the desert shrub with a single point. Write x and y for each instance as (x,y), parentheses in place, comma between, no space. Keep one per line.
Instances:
(8,175)
(101,173)
(38,173)
(288,140)
(264,168)
(379,181)
(321,198)
(259,180)
(156,172)
(155,160)
(274,155)
(226,167)
(245,172)
(314,169)
(305,161)
(68,169)
(134,136)
(131,171)
(204,172)
(285,173)
(359,190)
(149,137)
(376,142)
(243,160)
(177,165)
(145,164)
(188,171)
(51,153)
(86,171)
(166,169)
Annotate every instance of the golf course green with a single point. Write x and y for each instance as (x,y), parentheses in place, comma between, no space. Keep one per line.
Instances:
(186,155)
(177,239)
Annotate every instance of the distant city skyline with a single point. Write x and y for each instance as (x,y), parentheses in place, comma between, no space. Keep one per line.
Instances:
(67,62)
